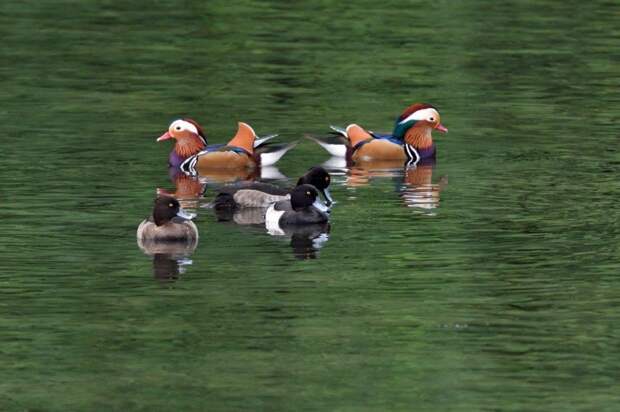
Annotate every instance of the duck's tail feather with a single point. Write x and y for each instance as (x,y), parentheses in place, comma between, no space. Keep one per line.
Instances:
(339,130)
(270,154)
(259,141)
(335,145)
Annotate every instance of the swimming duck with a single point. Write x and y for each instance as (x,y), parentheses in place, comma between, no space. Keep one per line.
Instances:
(168,223)
(303,208)
(410,141)
(257,194)
(244,151)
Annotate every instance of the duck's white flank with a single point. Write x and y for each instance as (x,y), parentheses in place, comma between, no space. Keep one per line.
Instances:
(272,220)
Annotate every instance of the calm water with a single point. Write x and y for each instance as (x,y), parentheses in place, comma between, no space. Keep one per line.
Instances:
(489,282)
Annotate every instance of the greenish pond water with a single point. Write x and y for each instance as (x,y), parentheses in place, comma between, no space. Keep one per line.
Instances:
(489,282)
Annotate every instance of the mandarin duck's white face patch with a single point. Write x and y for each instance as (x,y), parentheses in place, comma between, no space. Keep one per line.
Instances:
(181,125)
(430,115)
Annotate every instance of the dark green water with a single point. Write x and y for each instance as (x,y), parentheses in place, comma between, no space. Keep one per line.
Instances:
(502,293)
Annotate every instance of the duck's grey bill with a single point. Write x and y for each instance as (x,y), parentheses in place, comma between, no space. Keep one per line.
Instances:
(185,214)
(320,205)
(328,197)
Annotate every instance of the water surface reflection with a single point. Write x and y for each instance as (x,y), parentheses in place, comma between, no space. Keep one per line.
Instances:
(414,183)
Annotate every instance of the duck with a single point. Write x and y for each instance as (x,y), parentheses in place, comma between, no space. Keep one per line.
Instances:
(411,140)
(262,195)
(245,150)
(168,223)
(303,208)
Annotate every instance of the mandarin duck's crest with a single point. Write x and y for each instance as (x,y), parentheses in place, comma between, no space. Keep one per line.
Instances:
(189,140)
(417,114)
(183,128)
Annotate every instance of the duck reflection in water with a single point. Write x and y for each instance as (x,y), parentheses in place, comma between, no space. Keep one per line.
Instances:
(188,189)
(306,241)
(417,189)
(169,236)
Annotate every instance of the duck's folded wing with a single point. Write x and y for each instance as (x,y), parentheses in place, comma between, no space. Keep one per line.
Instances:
(386,136)
(263,187)
(256,198)
(335,144)
(269,154)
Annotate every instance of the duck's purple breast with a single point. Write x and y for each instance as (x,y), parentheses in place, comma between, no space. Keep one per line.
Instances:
(427,153)
(175,159)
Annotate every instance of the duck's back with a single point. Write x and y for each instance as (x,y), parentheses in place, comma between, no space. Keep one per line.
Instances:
(249,194)
(259,186)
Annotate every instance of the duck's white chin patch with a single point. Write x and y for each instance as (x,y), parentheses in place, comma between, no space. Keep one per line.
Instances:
(423,114)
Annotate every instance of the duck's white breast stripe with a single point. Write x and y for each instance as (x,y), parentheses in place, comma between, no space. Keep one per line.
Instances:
(412,155)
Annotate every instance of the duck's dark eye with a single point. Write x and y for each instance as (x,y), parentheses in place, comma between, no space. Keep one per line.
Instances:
(178,128)
(432,119)
(327,178)
(170,205)
(308,193)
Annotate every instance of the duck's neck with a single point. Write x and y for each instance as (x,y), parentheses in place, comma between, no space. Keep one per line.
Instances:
(419,137)
(188,146)
(159,220)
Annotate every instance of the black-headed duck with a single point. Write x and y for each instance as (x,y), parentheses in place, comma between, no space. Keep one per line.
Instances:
(168,223)
(257,194)
(303,208)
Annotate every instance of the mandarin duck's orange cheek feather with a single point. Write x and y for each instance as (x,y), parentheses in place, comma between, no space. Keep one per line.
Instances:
(189,140)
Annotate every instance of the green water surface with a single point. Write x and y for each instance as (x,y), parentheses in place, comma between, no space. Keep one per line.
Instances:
(489,283)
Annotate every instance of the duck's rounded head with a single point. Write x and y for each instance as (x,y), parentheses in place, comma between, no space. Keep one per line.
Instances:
(422,116)
(304,196)
(184,128)
(190,140)
(320,179)
(166,208)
